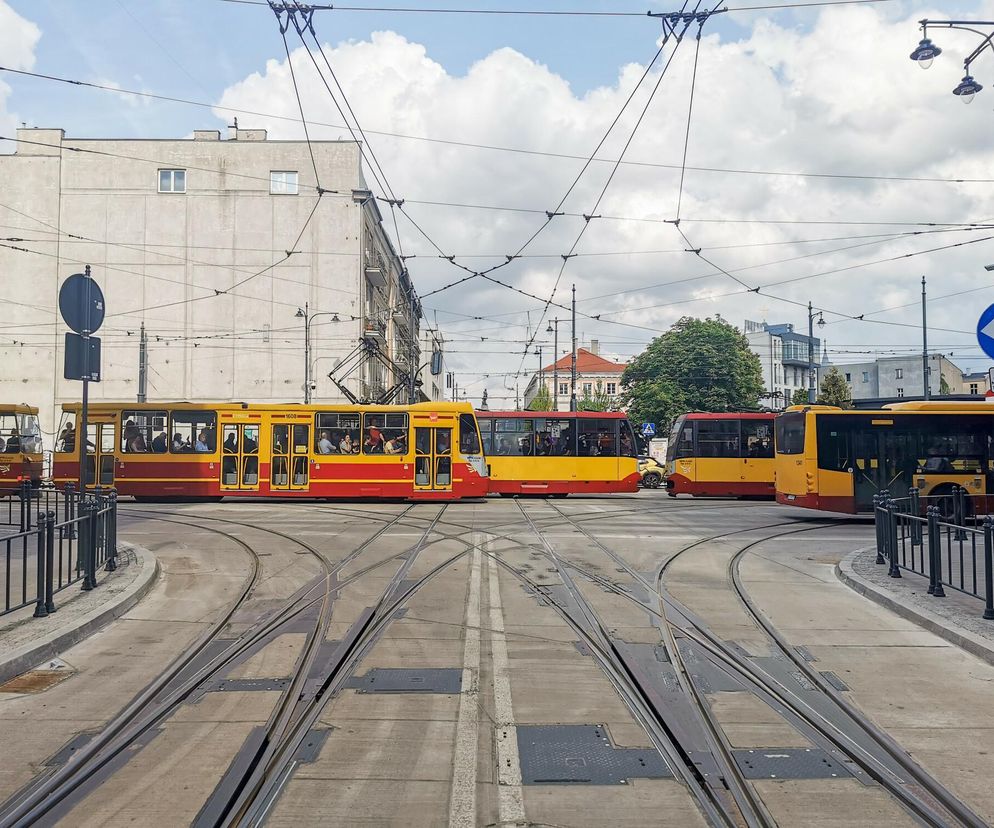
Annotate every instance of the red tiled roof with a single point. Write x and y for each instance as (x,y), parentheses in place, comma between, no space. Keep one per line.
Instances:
(587,362)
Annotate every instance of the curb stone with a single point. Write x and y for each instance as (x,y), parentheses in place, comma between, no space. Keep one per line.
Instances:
(57,641)
(941,626)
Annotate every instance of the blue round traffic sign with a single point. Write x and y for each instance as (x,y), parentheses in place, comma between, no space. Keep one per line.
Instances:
(985,331)
(81,303)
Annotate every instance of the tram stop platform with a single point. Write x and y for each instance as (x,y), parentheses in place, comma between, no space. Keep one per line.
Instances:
(27,643)
(958,618)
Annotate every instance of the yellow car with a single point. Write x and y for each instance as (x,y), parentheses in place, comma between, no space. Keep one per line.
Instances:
(650,473)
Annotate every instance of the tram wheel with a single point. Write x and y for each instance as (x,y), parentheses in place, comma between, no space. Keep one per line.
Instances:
(652,480)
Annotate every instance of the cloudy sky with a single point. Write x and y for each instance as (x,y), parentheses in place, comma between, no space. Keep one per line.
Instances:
(822,165)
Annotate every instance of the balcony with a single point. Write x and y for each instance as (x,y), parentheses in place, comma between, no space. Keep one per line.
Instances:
(375,333)
(376,275)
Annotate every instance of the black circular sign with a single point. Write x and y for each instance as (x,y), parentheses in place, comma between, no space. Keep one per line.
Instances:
(81,303)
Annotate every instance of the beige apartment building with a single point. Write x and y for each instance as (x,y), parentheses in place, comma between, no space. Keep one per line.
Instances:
(213,244)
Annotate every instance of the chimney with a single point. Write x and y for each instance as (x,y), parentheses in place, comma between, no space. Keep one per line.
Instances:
(595,347)
(206,135)
(236,134)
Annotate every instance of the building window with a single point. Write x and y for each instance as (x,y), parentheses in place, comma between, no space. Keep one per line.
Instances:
(866,376)
(974,388)
(900,392)
(898,373)
(612,388)
(172,181)
(587,387)
(283,182)
(848,377)
(564,388)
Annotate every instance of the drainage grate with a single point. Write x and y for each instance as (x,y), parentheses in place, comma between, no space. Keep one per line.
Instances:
(582,755)
(398,680)
(834,680)
(788,763)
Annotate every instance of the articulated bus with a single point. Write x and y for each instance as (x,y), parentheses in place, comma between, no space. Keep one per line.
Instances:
(721,455)
(20,448)
(153,451)
(559,453)
(837,460)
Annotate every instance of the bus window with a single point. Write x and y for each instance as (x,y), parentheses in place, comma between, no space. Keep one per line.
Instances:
(717,438)
(514,437)
(835,443)
(757,438)
(469,437)
(790,433)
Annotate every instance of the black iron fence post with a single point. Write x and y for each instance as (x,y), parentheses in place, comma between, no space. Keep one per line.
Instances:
(110,531)
(878,524)
(88,508)
(41,609)
(50,562)
(932,513)
(988,564)
(914,509)
(69,512)
(25,493)
(894,570)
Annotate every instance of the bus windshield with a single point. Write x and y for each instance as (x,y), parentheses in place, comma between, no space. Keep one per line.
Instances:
(790,433)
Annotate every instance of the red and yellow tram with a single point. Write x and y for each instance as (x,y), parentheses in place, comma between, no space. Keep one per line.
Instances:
(721,455)
(20,448)
(151,451)
(559,453)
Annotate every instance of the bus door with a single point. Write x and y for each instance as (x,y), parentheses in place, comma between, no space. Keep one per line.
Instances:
(884,459)
(432,459)
(100,446)
(290,468)
(240,457)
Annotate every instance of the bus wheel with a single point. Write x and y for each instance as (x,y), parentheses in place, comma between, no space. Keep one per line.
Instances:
(943,500)
(652,480)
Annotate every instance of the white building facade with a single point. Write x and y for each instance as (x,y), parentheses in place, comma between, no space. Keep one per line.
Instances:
(596,377)
(213,245)
(783,355)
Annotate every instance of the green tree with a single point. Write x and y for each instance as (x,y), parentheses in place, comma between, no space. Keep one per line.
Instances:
(944,385)
(542,401)
(834,389)
(799,397)
(697,365)
(598,401)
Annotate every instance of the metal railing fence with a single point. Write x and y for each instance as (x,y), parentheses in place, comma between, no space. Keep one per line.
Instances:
(947,539)
(62,538)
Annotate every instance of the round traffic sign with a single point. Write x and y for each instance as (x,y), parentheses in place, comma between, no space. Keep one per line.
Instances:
(81,303)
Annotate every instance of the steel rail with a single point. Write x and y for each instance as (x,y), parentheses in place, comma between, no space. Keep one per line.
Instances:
(599,641)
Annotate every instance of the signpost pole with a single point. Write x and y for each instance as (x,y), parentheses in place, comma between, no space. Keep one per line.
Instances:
(82,425)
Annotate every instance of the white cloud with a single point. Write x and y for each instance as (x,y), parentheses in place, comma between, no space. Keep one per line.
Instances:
(839,96)
(18,38)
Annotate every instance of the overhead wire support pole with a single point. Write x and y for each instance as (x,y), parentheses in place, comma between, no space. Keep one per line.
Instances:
(812,394)
(572,367)
(926,370)
(142,364)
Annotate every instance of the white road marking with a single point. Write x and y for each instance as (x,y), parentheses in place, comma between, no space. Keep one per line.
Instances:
(510,802)
(462,799)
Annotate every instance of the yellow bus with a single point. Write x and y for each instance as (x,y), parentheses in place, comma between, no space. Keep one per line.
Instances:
(837,460)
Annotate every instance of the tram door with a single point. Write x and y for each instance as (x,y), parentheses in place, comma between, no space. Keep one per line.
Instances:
(290,470)
(433,459)
(100,445)
(240,457)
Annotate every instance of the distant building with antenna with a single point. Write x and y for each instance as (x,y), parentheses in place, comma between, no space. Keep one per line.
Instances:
(783,356)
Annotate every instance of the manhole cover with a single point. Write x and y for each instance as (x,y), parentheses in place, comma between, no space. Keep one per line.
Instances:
(34,681)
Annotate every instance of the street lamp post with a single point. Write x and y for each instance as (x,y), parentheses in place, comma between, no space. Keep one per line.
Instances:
(305,314)
(554,329)
(812,386)
(572,369)
(926,51)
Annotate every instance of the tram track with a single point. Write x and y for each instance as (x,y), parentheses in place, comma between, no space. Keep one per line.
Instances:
(875,752)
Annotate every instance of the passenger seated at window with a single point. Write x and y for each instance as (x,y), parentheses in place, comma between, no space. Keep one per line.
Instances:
(179,444)
(133,439)
(202,444)
(160,443)
(504,447)
(230,444)
(345,445)
(325,445)
(67,439)
(374,440)
(397,444)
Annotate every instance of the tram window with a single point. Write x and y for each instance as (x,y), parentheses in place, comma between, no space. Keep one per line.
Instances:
(789,430)
(555,438)
(10,439)
(469,437)
(757,438)
(514,437)
(66,441)
(144,431)
(300,439)
(681,439)
(344,431)
(629,445)
(487,430)
(193,431)
(30,433)
(718,438)
(597,438)
(384,433)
